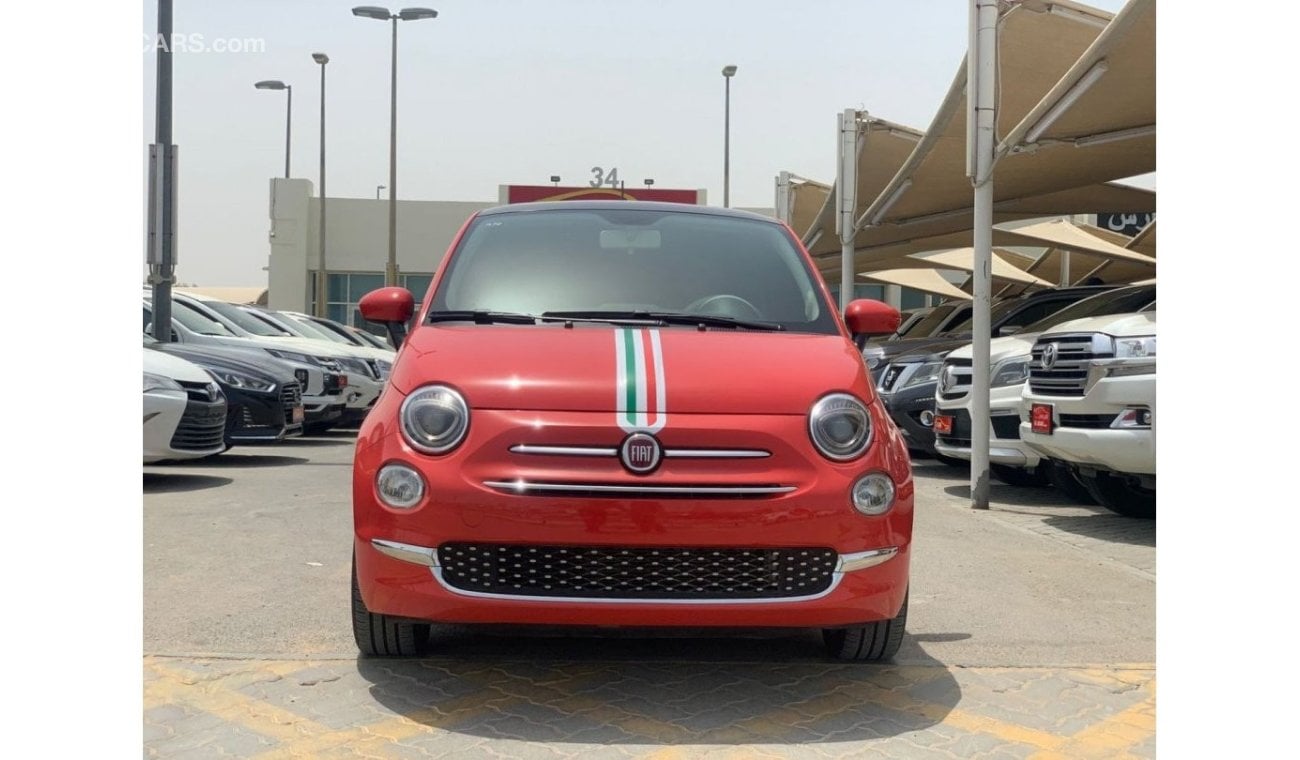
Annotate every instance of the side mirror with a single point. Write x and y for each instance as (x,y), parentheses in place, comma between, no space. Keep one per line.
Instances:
(1006,330)
(391,307)
(866,318)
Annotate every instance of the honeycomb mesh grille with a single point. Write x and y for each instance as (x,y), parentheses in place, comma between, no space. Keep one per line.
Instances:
(637,572)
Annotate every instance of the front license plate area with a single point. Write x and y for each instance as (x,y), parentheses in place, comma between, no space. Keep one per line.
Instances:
(1040,418)
(943,424)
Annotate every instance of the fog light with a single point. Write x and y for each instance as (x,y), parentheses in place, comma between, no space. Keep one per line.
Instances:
(1135,417)
(927,418)
(873,494)
(399,486)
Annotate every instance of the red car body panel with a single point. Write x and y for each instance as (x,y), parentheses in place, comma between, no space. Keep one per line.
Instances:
(558,385)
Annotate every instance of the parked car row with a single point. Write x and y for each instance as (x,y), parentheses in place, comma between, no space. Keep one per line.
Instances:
(266,375)
(1061,354)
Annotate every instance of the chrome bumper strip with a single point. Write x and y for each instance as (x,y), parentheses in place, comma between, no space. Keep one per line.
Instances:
(418,555)
(601,451)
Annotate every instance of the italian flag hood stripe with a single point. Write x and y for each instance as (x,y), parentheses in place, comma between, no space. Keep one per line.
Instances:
(639,405)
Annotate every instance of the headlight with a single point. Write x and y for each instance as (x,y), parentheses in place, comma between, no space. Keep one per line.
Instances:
(873,494)
(154,382)
(385,368)
(840,426)
(292,356)
(1013,371)
(240,380)
(434,419)
(872,356)
(399,486)
(1135,348)
(926,373)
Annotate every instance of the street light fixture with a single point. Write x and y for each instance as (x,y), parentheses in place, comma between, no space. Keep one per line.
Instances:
(555,179)
(377,189)
(322,276)
(383,14)
(649,182)
(276,84)
(727,73)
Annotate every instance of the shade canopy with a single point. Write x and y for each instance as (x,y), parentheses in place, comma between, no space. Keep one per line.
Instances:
(964,259)
(924,280)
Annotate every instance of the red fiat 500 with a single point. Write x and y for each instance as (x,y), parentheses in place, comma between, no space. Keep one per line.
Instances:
(629,414)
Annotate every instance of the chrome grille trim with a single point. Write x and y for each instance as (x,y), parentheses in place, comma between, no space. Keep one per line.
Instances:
(523,487)
(1068,376)
(601,451)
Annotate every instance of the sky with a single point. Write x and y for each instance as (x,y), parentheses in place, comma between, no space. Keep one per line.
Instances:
(498,92)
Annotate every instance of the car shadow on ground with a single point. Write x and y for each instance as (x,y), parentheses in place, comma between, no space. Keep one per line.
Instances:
(237,458)
(933,468)
(1088,519)
(625,688)
(172,482)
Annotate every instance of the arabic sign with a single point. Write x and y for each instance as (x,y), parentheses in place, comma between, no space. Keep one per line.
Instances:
(1125,224)
(531,193)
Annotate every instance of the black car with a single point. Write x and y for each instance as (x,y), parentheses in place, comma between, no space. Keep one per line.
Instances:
(263,395)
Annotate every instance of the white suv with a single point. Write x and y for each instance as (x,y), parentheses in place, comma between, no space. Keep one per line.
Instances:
(1091,402)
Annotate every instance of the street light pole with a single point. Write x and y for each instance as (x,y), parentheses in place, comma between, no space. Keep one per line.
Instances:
(276,84)
(727,73)
(383,14)
(322,275)
(162,185)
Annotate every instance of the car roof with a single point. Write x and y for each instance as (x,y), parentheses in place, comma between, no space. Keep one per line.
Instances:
(678,208)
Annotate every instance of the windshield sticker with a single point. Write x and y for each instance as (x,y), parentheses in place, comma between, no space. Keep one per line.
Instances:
(639,405)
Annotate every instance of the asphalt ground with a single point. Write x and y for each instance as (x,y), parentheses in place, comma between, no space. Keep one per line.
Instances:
(1031,633)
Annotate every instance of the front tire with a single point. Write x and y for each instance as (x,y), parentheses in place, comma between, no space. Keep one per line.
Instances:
(874,642)
(1121,497)
(1069,484)
(380,635)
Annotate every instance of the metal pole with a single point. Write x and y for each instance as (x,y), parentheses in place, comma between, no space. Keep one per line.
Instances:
(390,276)
(981,75)
(162,255)
(288,129)
(846,189)
(727,146)
(322,275)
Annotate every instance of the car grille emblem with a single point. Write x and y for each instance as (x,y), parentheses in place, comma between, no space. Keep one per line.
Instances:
(640,453)
(1049,355)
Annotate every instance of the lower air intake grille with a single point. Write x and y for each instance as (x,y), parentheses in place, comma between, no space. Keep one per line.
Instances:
(637,572)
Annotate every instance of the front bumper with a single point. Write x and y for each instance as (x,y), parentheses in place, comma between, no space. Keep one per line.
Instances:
(906,407)
(257,417)
(460,508)
(164,414)
(1005,443)
(1127,450)
(361,392)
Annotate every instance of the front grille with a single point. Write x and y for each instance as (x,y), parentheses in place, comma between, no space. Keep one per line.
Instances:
(955,378)
(891,376)
(605,572)
(203,426)
(1006,427)
(1090,421)
(1068,376)
(201,392)
(290,397)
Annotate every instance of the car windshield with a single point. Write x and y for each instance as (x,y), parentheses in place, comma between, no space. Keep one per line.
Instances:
(245,320)
(334,332)
(308,329)
(197,322)
(1119,301)
(999,311)
(624,260)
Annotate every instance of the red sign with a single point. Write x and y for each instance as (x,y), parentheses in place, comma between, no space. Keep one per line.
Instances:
(943,424)
(532,193)
(1040,418)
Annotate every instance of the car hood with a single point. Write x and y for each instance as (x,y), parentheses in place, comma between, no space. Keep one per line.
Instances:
(1000,348)
(234,360)
(1118,325)
(609,368)
(896,348)
(158,363)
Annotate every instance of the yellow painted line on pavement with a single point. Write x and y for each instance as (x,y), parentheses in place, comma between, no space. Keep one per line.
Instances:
(1112,737)
(214,696)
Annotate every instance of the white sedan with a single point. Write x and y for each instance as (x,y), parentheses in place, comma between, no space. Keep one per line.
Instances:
(184,409)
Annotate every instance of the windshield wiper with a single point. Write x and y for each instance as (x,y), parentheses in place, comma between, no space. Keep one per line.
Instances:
(481,317)
(666,317)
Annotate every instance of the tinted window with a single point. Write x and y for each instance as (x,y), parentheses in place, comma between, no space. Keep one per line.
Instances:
(243,319)
(931,321)
(196,321)
(998,311)
(633,259)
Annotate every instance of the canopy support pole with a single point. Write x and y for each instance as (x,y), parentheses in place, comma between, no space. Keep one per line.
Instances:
(981,87)
(846,190)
